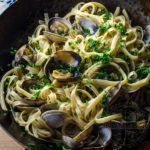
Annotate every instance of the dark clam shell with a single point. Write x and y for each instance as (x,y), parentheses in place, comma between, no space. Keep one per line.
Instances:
(61,60)
(147,35)
(27,83)
(52,35)
(54,118)
(115,92)
(36,102)
(63,21)
(25,50)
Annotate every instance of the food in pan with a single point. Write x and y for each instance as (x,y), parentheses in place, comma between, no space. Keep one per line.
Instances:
(82,79)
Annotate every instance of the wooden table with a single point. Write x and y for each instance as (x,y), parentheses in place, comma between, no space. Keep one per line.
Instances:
(7,143)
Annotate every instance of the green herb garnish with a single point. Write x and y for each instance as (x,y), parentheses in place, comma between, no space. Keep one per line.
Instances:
(22,67)
(142,72)
(13,51)
(93,43)
(31,144)
(107,15)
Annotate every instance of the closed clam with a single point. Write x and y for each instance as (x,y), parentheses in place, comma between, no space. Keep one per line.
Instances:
(54,118)
(59,66)
(58,29)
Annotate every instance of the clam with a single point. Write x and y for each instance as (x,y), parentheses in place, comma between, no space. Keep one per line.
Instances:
(54,118)
(78,140)
(111,96)
(58,65)
(71,143)
(70,128)
(36,102)
(58,28)
(105,135)
(25,51)
(51,106)
(32,102)
(27,83)
(147,35)
(88,26)
(101,140)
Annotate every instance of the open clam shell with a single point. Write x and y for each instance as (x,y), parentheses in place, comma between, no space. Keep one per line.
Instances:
(58,28)
(88,26)
(25,51)
(112,95)
(61,61)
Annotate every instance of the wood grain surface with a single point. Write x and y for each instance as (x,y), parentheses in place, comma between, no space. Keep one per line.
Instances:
(7,143)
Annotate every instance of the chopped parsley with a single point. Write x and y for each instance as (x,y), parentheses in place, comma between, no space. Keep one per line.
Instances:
(33,75)
(70,43)
(61,34)
(61,145)
(37,47)
(101,74)
(105,114)
(103,59)
(13,51)
(22,67)
(86,31)
(6,82)
(122,46)
(142,72)
(106,15)
(121,40)
(67,99)
(93,43)
(103,28)
(31,144)
(120,28)
(76,42)
(140,46)
(37,86)
(36,95)
(106,98)
(124,57)
(86,102)
(34,65)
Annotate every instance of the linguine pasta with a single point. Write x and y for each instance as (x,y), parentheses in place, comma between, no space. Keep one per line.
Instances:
(114,55)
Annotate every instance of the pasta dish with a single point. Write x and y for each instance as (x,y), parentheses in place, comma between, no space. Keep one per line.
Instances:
(81,80)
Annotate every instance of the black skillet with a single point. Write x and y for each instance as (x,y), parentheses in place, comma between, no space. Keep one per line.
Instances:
(19,21)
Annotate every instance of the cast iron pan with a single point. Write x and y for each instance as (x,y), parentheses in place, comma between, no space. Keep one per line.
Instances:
(19,21)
